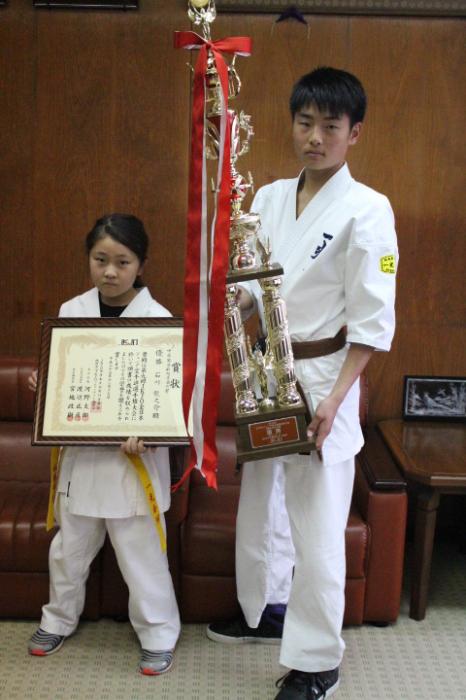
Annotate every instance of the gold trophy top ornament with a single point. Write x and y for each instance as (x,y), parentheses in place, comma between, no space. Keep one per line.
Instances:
(203,13)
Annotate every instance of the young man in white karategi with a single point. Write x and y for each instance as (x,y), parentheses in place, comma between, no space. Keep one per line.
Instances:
(336,241)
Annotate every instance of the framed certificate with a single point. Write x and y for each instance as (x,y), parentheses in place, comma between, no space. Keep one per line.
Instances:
(102,380)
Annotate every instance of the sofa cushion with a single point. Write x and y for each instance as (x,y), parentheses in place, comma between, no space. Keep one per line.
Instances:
(225,439)
(16,400)
(24,541)
(18,460)
(208,535)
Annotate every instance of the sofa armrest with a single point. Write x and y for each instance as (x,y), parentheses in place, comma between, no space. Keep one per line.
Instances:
(375,472)
(375,460)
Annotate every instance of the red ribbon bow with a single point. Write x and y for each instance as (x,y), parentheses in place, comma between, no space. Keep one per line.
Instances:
(204,293)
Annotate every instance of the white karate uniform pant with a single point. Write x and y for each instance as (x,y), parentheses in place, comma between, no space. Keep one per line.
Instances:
(318,499)
(153,610)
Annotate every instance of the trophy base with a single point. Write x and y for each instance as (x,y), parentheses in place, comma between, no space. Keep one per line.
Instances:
(272,433)
(273,270)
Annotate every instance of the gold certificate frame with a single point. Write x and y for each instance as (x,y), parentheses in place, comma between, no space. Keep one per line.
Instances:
(102,380)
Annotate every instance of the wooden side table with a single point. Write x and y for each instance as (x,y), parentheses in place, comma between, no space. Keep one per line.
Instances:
(432,457)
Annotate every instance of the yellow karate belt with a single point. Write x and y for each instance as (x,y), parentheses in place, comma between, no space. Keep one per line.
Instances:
(54,471)
(144,478)
(146,484)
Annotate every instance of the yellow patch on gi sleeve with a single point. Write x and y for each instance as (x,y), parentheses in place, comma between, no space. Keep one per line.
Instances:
(387,264)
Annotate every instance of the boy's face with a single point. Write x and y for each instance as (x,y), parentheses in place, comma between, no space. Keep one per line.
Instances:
(321,139)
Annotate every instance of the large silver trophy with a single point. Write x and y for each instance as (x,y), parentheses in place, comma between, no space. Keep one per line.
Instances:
(270,412)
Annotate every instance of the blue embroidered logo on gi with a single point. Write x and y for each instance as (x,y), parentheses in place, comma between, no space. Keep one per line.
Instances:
(319,249)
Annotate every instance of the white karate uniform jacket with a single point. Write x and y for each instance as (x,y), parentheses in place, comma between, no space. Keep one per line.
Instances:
(101,481)
(333,257)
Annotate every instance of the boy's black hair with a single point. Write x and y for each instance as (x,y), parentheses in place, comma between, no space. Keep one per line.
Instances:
(125,229)
(332,90)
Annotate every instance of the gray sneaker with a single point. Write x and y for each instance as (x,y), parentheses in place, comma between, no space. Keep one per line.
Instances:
(153,663)
(43,643)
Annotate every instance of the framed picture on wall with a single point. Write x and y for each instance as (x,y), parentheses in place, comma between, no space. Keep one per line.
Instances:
(434,398)
(426,8)
(87,4)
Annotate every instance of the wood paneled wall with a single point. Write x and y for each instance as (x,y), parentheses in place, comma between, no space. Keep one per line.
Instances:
(94,117)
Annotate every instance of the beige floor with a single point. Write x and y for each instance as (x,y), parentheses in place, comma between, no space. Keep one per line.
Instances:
(406,661)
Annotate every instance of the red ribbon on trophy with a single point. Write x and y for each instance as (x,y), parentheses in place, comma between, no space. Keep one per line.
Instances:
(204,287)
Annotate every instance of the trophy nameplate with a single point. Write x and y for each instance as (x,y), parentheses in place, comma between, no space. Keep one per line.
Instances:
(271,434)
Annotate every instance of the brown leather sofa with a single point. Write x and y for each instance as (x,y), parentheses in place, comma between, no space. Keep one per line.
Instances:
(200,525)
(24,488)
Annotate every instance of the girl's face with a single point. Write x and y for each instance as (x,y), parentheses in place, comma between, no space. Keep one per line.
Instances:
(113,268)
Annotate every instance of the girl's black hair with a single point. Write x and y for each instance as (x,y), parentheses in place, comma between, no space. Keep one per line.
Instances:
(330,89)
(125,229)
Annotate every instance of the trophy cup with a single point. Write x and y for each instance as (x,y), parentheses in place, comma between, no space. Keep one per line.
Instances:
(269,423)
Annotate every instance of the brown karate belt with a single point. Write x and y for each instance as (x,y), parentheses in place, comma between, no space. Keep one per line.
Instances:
(318,348)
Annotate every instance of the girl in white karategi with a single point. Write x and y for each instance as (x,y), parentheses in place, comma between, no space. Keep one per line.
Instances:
(336,241)
(99,491)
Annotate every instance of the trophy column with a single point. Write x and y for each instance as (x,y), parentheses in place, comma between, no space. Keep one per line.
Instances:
(235,341)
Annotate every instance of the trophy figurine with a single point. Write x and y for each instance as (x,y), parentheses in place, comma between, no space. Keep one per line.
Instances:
(269,411)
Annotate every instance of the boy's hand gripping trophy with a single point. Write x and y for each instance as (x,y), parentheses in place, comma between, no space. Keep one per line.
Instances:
(268,426)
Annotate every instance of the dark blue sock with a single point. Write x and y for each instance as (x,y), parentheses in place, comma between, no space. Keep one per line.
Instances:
(274,614)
